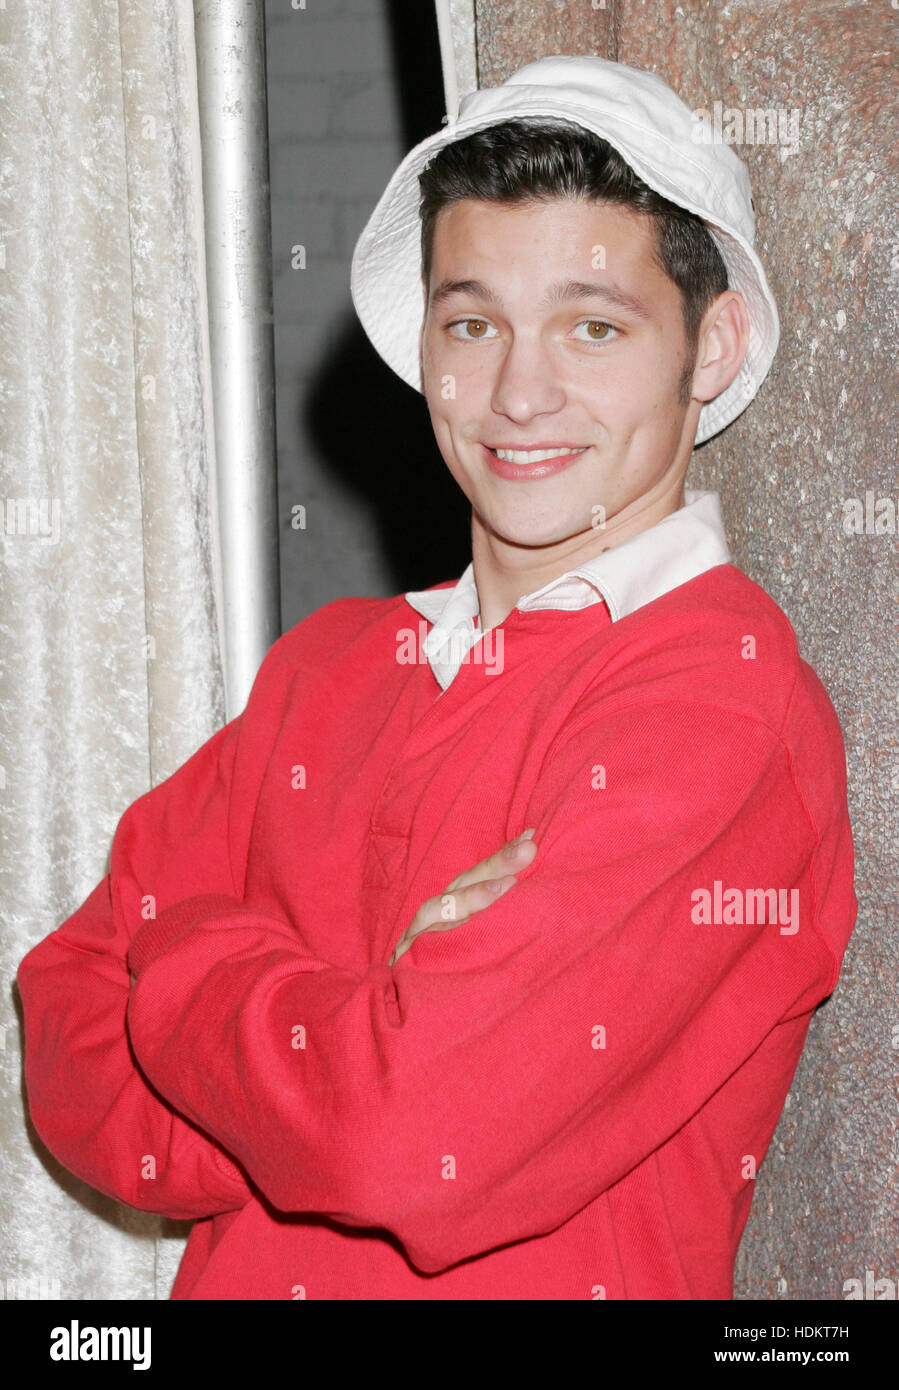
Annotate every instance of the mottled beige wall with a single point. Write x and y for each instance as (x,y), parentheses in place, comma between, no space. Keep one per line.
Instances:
(511,33)
(822,431)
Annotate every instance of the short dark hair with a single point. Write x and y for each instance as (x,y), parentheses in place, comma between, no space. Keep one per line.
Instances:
(524,161)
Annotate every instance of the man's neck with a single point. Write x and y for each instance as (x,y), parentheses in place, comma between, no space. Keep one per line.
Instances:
(503,573)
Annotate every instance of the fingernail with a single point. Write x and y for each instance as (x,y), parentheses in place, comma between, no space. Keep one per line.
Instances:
(499,885)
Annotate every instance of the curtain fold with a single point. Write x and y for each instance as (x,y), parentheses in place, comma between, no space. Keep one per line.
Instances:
(110,666)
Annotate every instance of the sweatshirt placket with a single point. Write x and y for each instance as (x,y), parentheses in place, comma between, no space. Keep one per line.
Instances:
(386,861)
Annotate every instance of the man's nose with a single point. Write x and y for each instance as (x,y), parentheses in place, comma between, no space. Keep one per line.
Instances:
(527,382)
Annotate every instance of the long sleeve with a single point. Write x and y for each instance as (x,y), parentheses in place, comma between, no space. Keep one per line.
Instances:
(507,1072)
(88,1100)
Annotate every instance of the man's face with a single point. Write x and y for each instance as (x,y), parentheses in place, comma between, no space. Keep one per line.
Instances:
(524,360)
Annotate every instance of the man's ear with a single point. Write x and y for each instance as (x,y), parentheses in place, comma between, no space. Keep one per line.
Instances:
(723,341)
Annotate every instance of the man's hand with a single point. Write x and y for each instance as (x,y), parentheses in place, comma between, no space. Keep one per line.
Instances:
(469,892)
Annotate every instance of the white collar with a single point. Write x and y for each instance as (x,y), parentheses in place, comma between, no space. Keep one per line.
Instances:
(676,549)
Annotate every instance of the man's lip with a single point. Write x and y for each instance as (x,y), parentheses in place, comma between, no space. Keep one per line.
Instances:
(530,448)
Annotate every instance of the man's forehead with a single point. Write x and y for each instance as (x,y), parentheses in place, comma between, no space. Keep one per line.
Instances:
(563,278)
(466,223)
(536,206)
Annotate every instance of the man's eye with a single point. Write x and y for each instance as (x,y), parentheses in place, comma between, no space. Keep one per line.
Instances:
(480,326)
(607,329)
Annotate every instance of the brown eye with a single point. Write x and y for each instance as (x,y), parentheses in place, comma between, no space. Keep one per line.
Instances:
(462,328)
(604,333)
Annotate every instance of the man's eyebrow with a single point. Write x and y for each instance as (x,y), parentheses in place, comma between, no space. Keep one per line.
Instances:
(588,289)
(561,291)
(476,288)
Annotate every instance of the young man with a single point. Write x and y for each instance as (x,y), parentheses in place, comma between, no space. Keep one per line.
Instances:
(365,1072)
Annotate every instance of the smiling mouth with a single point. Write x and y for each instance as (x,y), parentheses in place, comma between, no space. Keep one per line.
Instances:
(526,456)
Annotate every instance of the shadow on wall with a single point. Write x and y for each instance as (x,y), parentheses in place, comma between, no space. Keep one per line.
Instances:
(374,431)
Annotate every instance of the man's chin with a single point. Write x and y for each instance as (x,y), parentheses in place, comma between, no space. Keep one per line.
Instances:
(524,535)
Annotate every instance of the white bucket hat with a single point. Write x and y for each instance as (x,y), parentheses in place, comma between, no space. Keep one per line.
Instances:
(655,133)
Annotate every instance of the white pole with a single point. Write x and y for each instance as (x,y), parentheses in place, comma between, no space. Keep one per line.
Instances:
(231,78)
(448,58)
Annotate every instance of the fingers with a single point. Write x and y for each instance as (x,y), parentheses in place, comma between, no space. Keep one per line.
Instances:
(514,855)
(470,891)
(449,910)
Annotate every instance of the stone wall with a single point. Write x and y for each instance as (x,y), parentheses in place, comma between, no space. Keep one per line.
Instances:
(821,432)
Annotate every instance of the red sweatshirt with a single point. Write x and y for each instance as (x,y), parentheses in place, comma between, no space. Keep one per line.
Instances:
(566,1096)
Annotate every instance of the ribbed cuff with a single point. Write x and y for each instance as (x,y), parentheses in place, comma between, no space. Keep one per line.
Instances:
(152,938)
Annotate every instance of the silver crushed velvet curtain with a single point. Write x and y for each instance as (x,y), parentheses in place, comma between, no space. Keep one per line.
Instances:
(110,654)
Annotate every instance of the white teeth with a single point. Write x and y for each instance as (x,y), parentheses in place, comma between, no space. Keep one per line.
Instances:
(534,455)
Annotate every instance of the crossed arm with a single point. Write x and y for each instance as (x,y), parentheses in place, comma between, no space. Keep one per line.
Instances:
(538,1051)
(89,1100)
